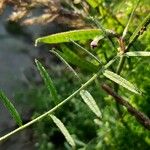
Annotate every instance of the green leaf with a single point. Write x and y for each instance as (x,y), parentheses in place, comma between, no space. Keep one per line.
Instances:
(121,81)
(48,82)
(144,23)
(11,108)
(63,129)
(66,63)
(138,53)
(93,3)
(74,59)
(88,52)
(89,100)
(129,20)
(75,35)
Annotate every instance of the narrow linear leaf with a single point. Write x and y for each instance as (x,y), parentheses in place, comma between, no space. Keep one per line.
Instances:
(48,81)
(129,20)
(140,29)
(10,108)
(63,129)
(86,51)
(75,35)
(65,62)
(138,53)
(121,81)
(74,59)
(89,100)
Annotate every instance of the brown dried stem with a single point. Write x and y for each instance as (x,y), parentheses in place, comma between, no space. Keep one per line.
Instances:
(140,116)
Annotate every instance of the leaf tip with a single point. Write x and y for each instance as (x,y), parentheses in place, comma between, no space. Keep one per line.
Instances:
(36,42)
(36,61)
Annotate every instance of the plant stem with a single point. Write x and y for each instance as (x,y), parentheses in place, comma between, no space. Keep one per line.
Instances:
(62,103)
(51,110)
(119,69)
(140,116)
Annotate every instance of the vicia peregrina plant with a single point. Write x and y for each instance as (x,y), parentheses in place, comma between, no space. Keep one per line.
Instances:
(108,70)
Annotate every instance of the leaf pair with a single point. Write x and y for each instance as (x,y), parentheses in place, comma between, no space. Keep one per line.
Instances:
(121,81)
(51,88)
(88,99)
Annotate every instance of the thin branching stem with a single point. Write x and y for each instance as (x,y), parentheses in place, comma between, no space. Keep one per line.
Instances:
(119,69)
(61,103)
(51,110)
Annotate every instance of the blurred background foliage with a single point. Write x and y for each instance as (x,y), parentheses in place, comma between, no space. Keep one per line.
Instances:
(114,132)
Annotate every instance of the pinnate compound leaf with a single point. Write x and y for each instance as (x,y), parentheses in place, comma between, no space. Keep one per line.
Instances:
(121,81)
(48,81)
(75,35)
(10,108)
(63,129)
(91,103)
(138,53)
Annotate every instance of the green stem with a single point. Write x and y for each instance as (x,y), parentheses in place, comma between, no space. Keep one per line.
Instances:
(116,86)
(50,111)
(60,104)
(119,69)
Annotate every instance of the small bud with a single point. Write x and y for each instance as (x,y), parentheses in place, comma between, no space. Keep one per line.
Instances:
(94,43)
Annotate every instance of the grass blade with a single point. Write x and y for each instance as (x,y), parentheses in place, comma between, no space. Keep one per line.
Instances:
(63,129)
(48,81)
(10,108)
(89,100)
(121,81)
(138,53)
(75,35)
